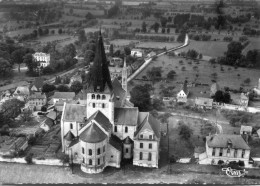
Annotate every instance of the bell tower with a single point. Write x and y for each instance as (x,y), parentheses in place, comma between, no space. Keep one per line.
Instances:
(124,76)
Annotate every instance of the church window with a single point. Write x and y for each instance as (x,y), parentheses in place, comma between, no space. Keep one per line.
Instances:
(126,129)
(98,151)
(94,105)
(141,145)
(93,96)
(150,156)
(98,96)
(141,156)
(103,97)
(115,129)
(150,145)
(90,152)
(98,161)
(103,105)
(71,126)
(126,150)
(83,150)
(90,161)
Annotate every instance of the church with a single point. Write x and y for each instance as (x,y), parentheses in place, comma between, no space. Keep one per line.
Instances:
(103,127)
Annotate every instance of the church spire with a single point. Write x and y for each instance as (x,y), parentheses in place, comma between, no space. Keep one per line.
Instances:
(100,76)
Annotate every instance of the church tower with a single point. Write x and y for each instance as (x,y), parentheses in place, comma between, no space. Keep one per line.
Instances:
(124,76)
(99,86)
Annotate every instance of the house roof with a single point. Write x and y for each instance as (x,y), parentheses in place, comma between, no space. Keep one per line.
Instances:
(13,85)
(246,128)
(203,101)
(74,142)
(48,122)
(221,141)
(115,142)
(64,95)
(92,134)
(101,119)
(75,112)
(37,95)
(52,115)
(185,88)
(149,122)
(243,96)
(126,116)
(128,140)
(22,90)
(69,136)
(38,82)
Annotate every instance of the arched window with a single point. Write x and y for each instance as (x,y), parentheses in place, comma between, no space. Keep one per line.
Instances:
(126,129)
(103,105)
(141,156)
(103,97)
(98,151)
(71,126)
(94,105)
(98,96)
(90,161)
(90,152)
(150,156)
(93,96)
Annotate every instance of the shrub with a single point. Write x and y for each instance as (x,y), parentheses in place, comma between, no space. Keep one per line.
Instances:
(65,158)
(28,158)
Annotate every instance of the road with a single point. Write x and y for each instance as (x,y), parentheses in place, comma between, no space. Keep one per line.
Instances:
(148,61)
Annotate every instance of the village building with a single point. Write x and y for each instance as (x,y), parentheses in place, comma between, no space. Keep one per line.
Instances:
(246,130)
(213,89)
(227,148)
(36,86)
(137,52)
(42,58)
(116,61)
(151,54)
(203,103)
(102,129)
(182,95)
(76,77)
(63,96)
(22,93)
(244,99)
(47,124)
(36,101)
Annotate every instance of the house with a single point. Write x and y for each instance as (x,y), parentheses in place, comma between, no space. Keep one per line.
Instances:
(47,124)
(12,145)
(54,116)
(36,86)
(103,127)
(213,89)
(76,77)
(115,72)
(13,86)
(244,99)
(147,141)
(203,103)
(63,96)
(246,130)
(151,54)
(37,100)
(116,61)
(198,151)
(137,52)
(183,93)
(225,147)
(42,58)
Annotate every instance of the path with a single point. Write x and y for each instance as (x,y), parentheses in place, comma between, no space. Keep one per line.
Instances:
(147,61)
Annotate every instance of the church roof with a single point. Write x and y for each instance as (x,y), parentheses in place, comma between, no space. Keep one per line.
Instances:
(100,80)
(101,119)
(75,112)
(126,116)
(115,142)
(149,122)
(69,136)
(127,140)
(92,134)
(119,93)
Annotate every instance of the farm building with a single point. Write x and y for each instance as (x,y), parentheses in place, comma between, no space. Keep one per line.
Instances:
(137,52)
(203,103)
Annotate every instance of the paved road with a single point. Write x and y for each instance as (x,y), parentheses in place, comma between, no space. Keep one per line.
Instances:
(148,61)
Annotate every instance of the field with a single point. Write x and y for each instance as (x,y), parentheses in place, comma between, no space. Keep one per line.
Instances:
(229,77)
(207,48)
(159,45)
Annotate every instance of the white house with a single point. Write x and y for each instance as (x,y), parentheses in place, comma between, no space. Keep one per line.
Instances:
(43,58)
(137,52)
(183,93)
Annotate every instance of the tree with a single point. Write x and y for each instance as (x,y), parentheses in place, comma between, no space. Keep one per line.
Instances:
(30,63)
(164,117)
(140,97)
(156,27)
(28,158)
(12,108)
(181,37)
(163,22)
(76,87)
(113,11)
(127,51)
(192,54)
(247,81)
(48,88)
(226,97)
(144,29)
(233,53)
(111,50)
(88,57)
(185,131)
(57,80)
(63,88)
(89,16)
(5,66)
(155,73)
(46,31)
(158,104)
(171,75)
(60,31)
(40,31)
(69,50)
(17,57)
(82,36)
(26,115)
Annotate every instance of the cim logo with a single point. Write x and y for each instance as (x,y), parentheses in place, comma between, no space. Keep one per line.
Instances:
(235,173)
